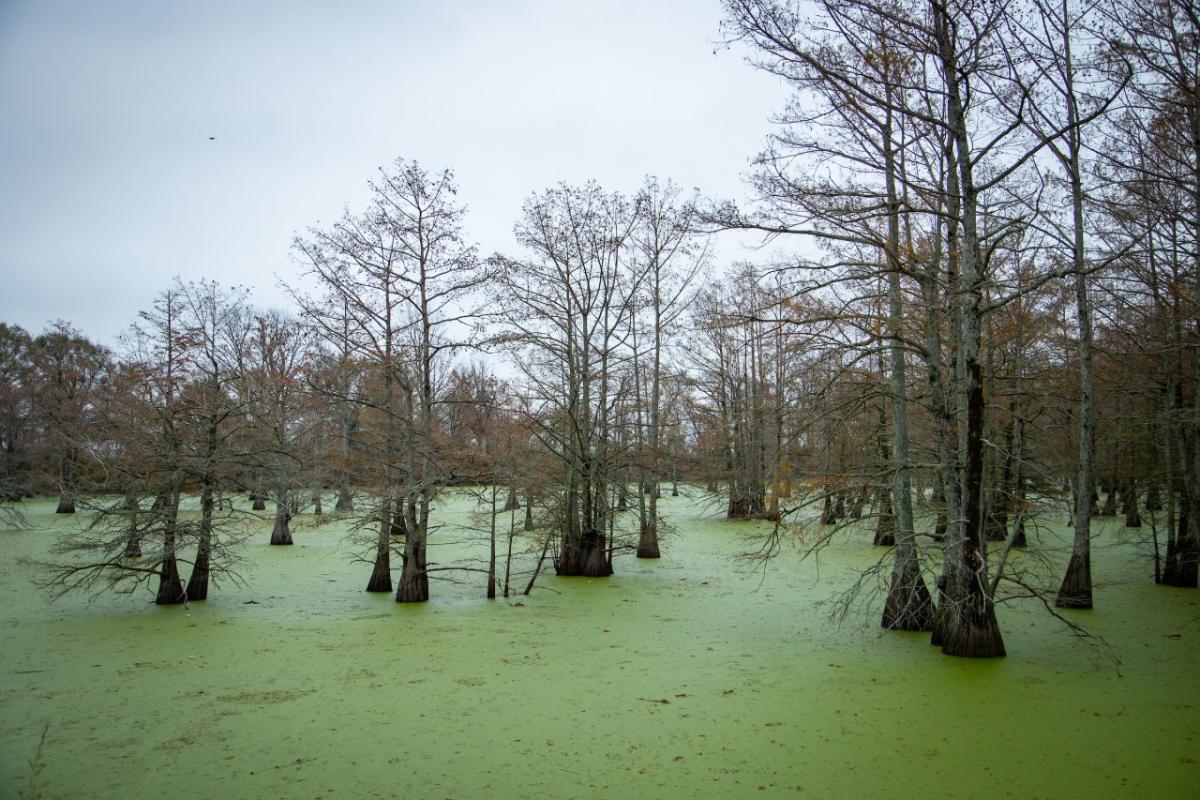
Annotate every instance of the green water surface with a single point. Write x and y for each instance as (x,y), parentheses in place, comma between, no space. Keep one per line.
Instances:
(691,676)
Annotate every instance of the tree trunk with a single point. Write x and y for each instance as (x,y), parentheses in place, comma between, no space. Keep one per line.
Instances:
(197,586)
(170,586)
(281,533)
(381,573)
(827,515)
(970,630)
(491,578)
(584,555)
(414,578)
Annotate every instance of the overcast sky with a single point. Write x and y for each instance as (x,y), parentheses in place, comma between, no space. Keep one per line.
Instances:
(110,183)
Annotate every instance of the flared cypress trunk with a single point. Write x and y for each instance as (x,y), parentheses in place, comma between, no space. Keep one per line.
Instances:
(584,555)
(648,541)
(512,504)
(197,586)
(170,586)
(1076,588)
(747,508)
(381,573)
(316,504)
(1019,539)
(281,533)
(969,628)
(582,547)
(528,509)
(974,632)
(827,515)
(66,503)
(648,533)
(908,606)
(345,501)
(747,500)
(414,580)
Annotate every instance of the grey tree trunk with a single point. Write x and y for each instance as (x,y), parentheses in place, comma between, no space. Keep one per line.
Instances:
(1076,588)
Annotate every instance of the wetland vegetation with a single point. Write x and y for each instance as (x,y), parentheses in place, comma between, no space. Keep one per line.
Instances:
(678,677)
(606,514)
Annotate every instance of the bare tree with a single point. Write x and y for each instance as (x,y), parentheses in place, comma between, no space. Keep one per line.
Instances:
(67,372)
(396,280)
(665,243)
(568,312)
(273,371)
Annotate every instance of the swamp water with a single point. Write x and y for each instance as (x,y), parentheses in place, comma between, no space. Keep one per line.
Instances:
(690,676)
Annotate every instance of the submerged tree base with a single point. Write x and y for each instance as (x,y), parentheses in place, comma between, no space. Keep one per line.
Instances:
(1019,539)
(1076,589)
(973,633)
(648,543)
(586,559)
(170,586)
(381,575)
(281,534)
(197,586)
(909,606)
(413,588)
(747,508)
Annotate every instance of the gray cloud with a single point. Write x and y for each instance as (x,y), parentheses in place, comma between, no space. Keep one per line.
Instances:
(112,184)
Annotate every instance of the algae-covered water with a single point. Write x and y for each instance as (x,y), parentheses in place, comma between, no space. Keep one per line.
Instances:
(685,677)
